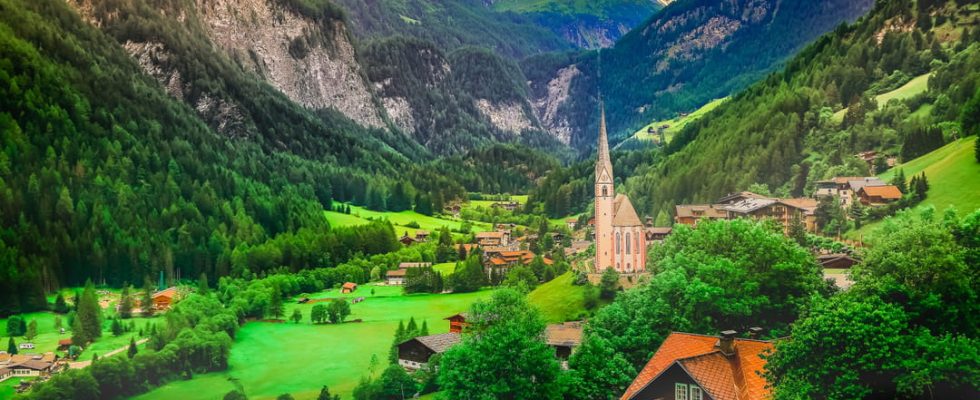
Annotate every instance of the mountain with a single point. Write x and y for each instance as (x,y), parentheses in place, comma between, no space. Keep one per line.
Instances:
(686,55)
(856,89)
(586,24)
(452,24)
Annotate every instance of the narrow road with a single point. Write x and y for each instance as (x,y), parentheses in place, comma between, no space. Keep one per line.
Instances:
(83,364)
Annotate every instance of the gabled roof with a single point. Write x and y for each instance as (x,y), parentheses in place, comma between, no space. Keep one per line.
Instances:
(349,285)
(437,343)
(623,212)
(857,184)
(564,334)
(486,235)
(464,315)
(708,210)
(740,196)
(170,293)
(396,273)
(886,192)
(747,205)
(802,203)
(733,377)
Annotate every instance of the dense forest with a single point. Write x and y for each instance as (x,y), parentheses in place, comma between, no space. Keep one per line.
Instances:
(783,132)
(105,176)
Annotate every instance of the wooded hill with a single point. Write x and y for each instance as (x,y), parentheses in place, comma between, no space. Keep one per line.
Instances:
(781,132)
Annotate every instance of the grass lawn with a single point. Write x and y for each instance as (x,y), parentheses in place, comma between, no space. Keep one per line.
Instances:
(361,216)
(48,337)
(270,359)
(559,300)
(954,179)
(445,268)
(7,387)
(676,124)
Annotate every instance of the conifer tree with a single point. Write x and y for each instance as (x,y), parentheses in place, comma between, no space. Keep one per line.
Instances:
(11,346)
(126,303)
(31,332)
(132,350)
(276,307)
(202,285)
(116,327)
(325,395)
(146,302)
(899,181)
(60,306)
(424,331)
(412,328)
(89,313)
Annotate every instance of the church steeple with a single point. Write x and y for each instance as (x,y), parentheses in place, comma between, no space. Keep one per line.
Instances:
(603,165)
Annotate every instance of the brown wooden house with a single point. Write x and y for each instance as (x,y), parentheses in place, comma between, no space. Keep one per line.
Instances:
(414,353)
(689,366)
(457,322)
(879,195)
(348,287)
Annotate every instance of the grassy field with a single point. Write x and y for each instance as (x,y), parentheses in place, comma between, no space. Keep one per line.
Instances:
(270,359)
(7,387)
(361,216)
(48,337)
(559,300)
(471,204)
(954,179)
(915,86)
(445,268)
(676,124)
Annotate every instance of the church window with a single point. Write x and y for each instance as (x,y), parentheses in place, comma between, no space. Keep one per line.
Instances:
(605,191)
(617,242)
(627,243)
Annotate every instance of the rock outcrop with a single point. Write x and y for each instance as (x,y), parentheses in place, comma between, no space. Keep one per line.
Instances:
(547,107)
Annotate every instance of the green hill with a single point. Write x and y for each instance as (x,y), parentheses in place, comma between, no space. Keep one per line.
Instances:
(676,124)
(953,174)
(559,300)
(585,23)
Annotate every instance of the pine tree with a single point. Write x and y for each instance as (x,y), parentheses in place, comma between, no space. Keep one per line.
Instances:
(11,346)
(78,336)
(276,307)
(116,327)
(899,181)
(89,313)
(146,302)
(132,350)
(202,285)
(424,331)
(412,329)
(60,306)
(126,303)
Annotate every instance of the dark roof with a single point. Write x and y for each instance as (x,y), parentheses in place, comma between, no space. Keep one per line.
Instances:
(465,315)
(438,343)
(36,365)
(838,258)
(660,230)
(723,377)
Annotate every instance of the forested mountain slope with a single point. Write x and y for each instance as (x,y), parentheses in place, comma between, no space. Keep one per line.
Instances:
(114,168)
(689,53)
(782,131)
(587,24)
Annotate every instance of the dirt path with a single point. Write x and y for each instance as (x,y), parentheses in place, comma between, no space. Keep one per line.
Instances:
(83,364)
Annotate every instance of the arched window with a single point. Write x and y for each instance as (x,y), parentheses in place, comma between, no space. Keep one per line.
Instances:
(617,242)
(629,268)
(628,243)
(605,191)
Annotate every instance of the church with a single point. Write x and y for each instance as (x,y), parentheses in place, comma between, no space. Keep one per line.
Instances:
(620,237)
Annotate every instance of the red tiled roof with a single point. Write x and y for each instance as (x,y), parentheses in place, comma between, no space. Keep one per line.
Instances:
(497,261)
(723,377)
(488,235)
(885,192)
(395,273)
(349,285)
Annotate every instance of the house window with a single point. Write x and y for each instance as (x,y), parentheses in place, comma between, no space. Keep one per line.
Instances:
(696,393)
(680,391)
(617,242)
(627,243)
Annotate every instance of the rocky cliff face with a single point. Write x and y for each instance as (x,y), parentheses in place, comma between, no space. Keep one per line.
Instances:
(311,62)
(554,96)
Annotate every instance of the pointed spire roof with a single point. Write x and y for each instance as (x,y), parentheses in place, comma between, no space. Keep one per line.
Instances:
(603,163)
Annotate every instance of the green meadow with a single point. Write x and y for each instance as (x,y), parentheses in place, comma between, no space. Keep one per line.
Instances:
(559,300)
(48,336)
(953,174)
(675,125)
(269,359)
(913,87)
(401,220)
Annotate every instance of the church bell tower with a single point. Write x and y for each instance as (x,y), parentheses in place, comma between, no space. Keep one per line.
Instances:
(604,197)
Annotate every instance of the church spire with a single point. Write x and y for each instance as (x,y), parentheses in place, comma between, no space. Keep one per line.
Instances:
(603,163)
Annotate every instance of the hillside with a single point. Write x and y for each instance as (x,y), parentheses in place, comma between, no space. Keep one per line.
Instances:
(781,132)
(684,56)
(452,24)
(586,24)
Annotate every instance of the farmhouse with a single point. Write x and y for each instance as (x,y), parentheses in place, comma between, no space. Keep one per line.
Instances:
(564,338)
(26,365)
(348,287)
(571,223)
(657,234)
(490,239)
(414,353)
(406,265)
(396,276)
(421,236)
(879,195)
(691,214)
(64,344)
(165,298)
(457,322)
(688,366)
(407,240)
(844,188)
(780,210)
(836,261)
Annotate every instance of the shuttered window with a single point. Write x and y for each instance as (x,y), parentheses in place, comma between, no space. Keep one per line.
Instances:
(680,391)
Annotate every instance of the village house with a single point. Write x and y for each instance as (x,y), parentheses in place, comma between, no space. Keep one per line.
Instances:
(407,265)
(348,287)
(564,338)
(500,262)
(570,223)
(453,209)
(26,365)
(875,196)
(689,366)
(165,298)
(845,188)
(836,261)
(491,239)
(506,205)
(657,234)
(407,240)
(414,353)
(396,276)
(421,236)
(457,322)
(691,214)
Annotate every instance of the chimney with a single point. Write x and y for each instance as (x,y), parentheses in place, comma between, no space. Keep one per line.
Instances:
(755,332)
(727,342)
